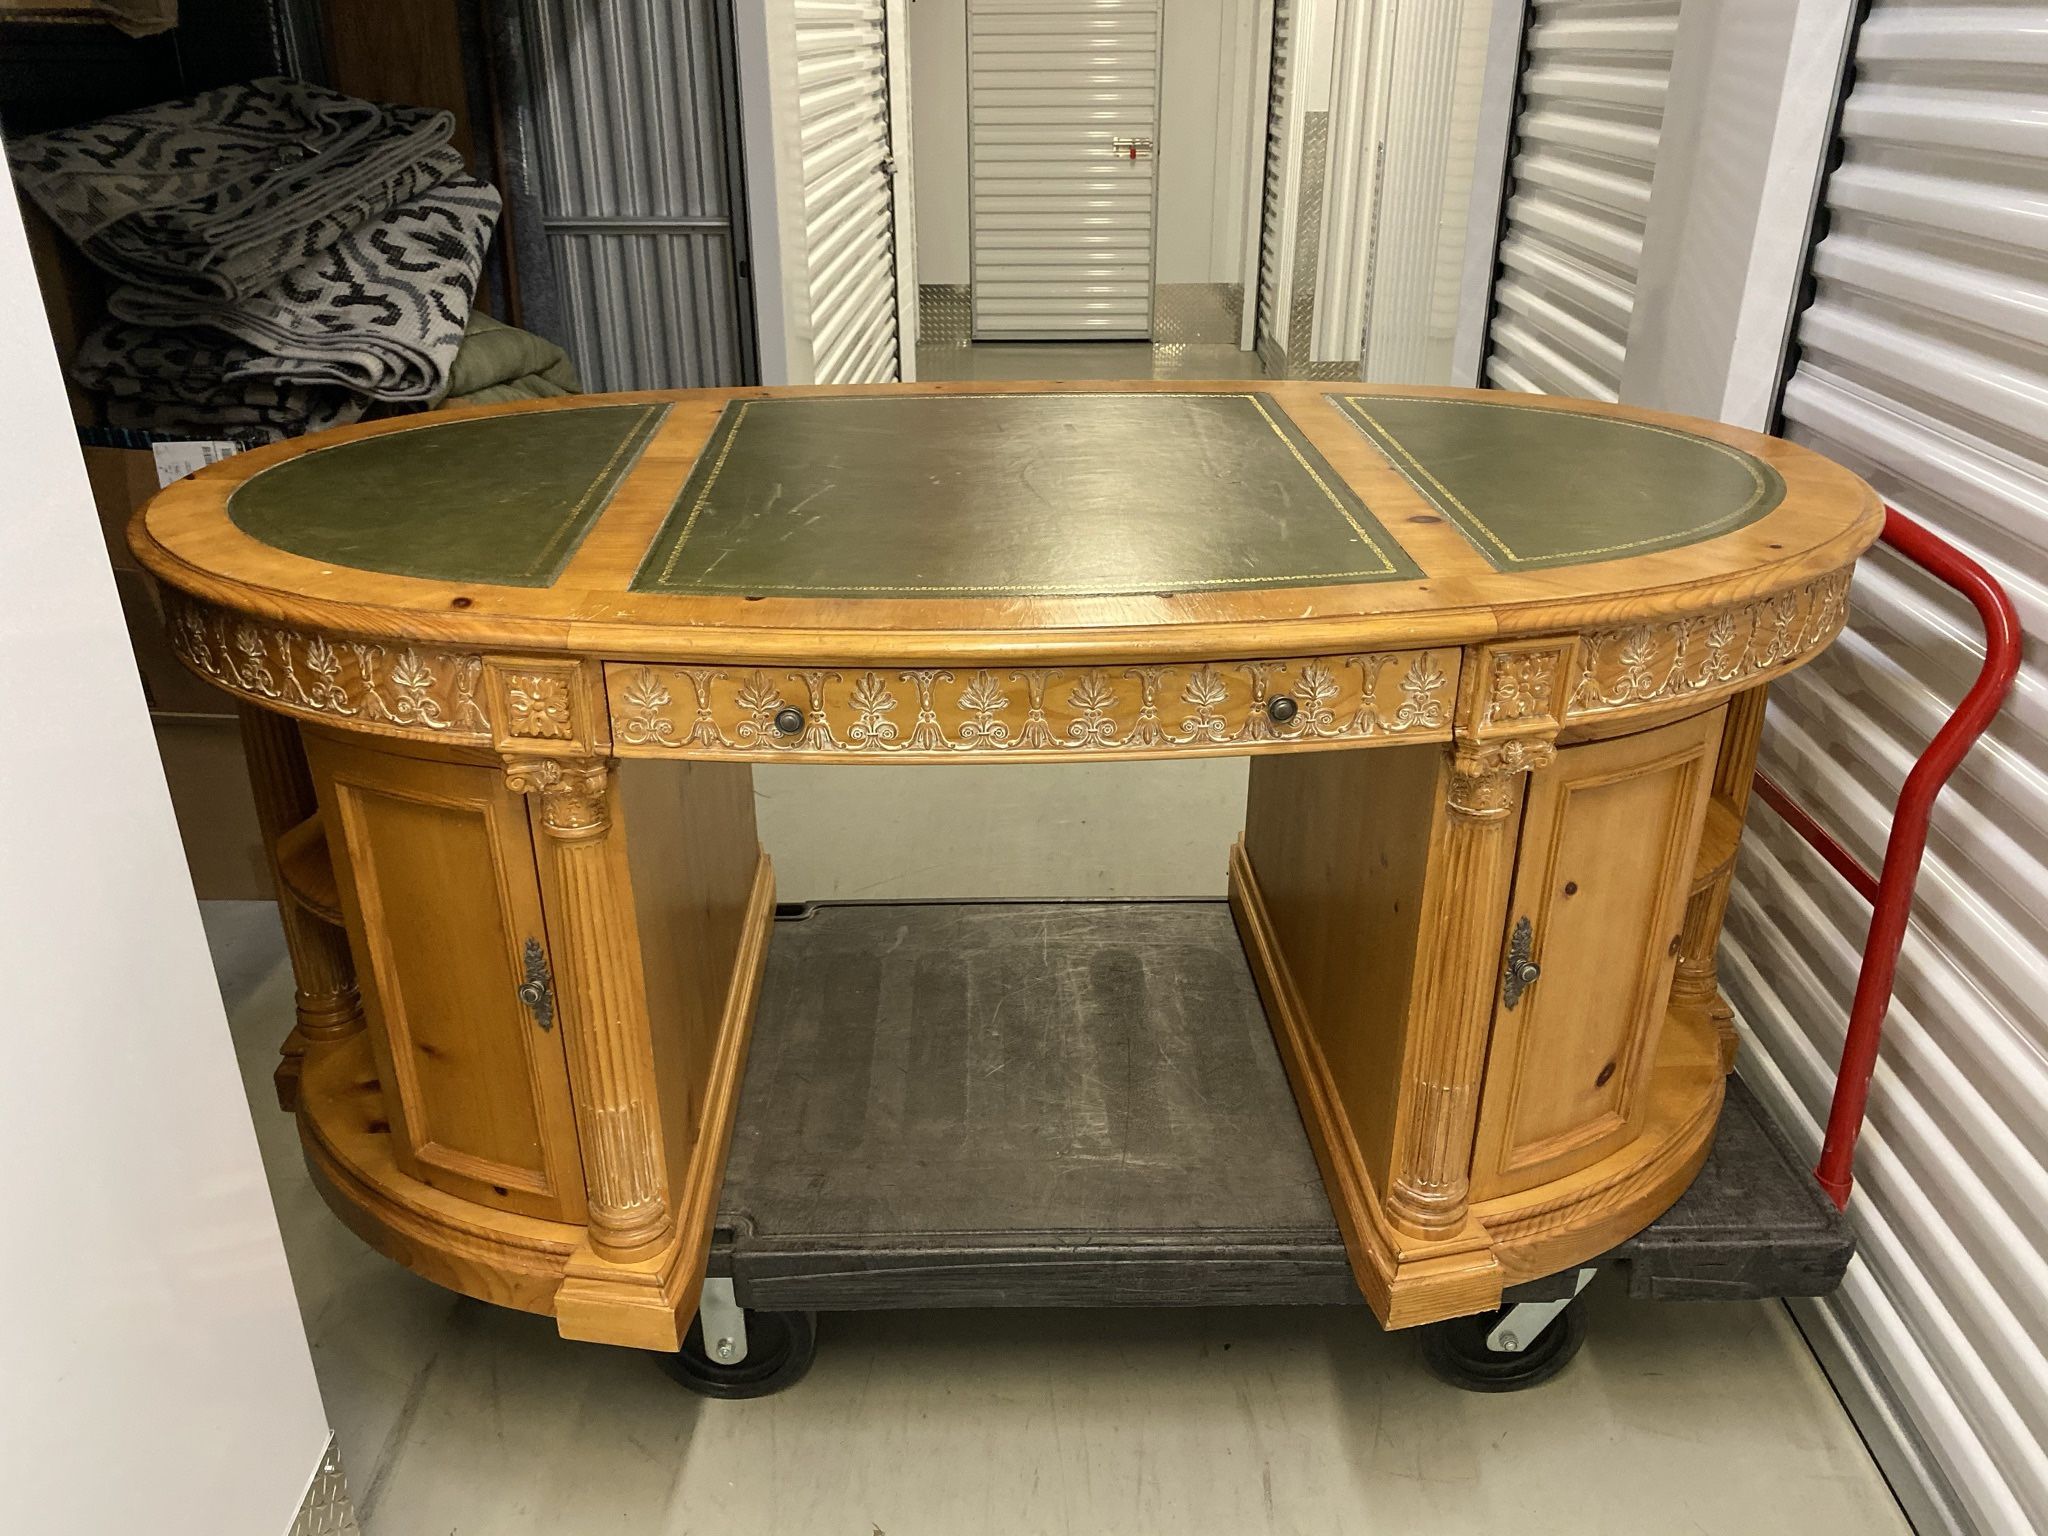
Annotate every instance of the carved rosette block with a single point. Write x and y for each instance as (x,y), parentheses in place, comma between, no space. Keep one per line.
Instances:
(546,706)
(329,1003)
(946,713)
(602,1006)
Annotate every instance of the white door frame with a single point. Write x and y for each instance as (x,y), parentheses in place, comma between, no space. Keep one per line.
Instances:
(897,27)
(1255,171)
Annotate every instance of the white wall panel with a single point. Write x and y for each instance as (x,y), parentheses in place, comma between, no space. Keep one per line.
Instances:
(938,75)
(1062,234)
(154,1375)
(1923,364)
(1592,85)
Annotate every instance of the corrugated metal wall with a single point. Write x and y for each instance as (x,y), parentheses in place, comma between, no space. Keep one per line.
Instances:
(1271,333)
(633,101)
(1592,107)
(1923,364)
(842,96)
(1062,225)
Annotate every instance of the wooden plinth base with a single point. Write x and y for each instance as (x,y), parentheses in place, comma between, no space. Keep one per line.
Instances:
(1504,1241)
(519,1261)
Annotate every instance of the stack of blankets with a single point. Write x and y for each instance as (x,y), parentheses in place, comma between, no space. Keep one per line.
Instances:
(286,255)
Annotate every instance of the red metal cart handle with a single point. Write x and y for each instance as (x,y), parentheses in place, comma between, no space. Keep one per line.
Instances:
(1890,892)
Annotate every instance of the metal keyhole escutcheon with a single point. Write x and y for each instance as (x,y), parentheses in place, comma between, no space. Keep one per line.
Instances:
(1520,972)
(537,990)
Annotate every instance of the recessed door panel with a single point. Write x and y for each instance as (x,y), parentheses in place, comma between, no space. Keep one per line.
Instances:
(436,868)
(1063,124)
(1609,837)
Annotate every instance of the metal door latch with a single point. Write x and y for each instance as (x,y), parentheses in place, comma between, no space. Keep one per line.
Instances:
(1134,146)
(1521,972)
(537,991)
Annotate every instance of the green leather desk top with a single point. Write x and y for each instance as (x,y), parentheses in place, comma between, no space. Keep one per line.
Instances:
(502,500)
(1055,493)
(987,495)
(1533,487)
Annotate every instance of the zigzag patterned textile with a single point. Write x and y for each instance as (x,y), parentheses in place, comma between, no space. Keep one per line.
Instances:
(220,195)
(368,261)
(379,312)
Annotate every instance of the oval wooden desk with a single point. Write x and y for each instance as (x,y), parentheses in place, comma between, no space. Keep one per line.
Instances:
(1501,662)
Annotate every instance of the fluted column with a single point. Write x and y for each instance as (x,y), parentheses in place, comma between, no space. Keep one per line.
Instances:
(1696,981)
(330,1007)
(602,1005)
(1457,976)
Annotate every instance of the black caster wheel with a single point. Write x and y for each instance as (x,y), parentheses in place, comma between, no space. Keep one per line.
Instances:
(780,1348)
(1456,1352)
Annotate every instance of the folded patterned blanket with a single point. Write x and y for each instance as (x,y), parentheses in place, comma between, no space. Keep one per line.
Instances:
(381,311)
(221,194)
(198,383)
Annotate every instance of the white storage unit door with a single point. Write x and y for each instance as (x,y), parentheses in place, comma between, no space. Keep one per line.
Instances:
(1594,74)
(1923,364)
(1061,215)
(1272,326)
(842,63)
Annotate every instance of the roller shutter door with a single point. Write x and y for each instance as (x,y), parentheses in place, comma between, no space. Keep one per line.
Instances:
(1922,362)
(1062,216)
(1594,74)
(842,62)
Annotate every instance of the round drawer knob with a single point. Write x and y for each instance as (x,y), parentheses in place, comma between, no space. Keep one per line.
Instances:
(1281,708)
(789,722)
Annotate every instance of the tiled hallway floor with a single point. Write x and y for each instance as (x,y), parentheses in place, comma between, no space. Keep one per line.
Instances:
(459,1419)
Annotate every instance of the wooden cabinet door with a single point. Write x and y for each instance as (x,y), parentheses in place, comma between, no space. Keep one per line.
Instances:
(1610,833)
(435,863)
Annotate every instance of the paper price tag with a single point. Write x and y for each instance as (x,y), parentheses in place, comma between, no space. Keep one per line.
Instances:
(174,461)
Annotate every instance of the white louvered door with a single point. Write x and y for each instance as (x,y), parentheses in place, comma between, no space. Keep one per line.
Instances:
(850,195)
(1923,364)
(1271,331)
(1060,95)
(1591,107)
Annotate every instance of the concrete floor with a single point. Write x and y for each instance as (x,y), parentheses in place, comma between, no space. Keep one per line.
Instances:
(455,1417)
(1086,360)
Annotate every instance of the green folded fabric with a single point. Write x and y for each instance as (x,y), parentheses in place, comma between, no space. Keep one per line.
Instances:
(501,362)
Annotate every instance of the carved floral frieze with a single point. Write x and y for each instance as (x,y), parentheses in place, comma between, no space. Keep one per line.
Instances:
(1046,712)
(1676,659)
(372,685)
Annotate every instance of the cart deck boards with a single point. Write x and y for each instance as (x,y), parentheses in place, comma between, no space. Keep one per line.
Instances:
(1080,1104)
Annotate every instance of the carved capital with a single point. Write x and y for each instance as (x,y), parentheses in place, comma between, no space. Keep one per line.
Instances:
(573,795)
(1482,776)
